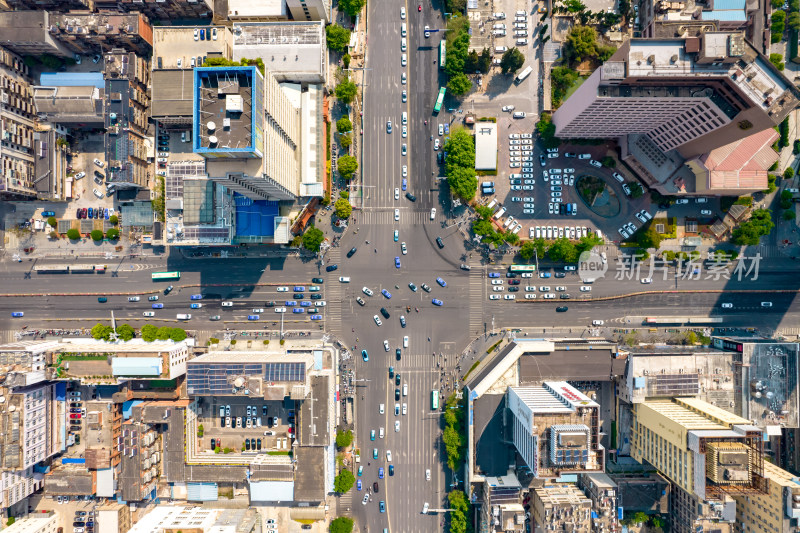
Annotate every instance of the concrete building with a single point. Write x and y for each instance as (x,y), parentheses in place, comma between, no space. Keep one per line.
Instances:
(778,511)
(127,102)
(561,507)
(707,453)
(161,10)
(17,129)
(113,518)
(87,33)
(46,522)
(670,102)
(70,106)
(715,16)
(602,491)
(500,509)
(173,518)
(26,33)
(309,9)
(485,146)
(555,429)
(134,359)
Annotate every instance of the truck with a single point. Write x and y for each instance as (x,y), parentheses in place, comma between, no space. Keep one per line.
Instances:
(522,75)
(182,316)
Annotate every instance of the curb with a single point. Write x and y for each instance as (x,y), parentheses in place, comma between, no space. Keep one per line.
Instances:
(137,293)
(646,293)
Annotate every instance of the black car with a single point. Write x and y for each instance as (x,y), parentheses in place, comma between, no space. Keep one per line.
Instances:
(440,242)
(562,309)
(375,487)
(331,268)
(78,213)
(397,354)
(440,157)
(246,444)
(298,296)
(258,444)
(213,443)
(564,296)
(511,275)
(168,289)
(513,289)
(384,312)
(560,275)
(397,395)
(316,296)
(269,304)
(396,379)
(318,280)
(514,282)
(411,197)
(352,251)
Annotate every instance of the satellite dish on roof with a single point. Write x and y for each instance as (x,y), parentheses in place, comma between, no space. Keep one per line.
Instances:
(239,382)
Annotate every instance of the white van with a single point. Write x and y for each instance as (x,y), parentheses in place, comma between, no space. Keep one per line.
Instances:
(403,29)
(184,317)
(492,203)
(499,213)
(499,16)
(405,389)
(405,118)
(500,49)
(508,222)
(520,13)
(344,279)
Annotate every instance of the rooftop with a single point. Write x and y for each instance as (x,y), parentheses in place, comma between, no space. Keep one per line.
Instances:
(262,9)
(485,146)
(224,115)
(293,51)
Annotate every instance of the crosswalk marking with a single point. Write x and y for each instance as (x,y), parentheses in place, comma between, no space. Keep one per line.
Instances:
(333,295)
(476,287)
(386,217)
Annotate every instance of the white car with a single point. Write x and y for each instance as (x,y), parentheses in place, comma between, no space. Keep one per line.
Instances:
(595,163)
(405,171)
(494,296)
(561,288)
(148,313)
(433,213)
(441,129)
(727,306)
(513,135)
(597,322)
(397,213)
(530,296)
(396,193)
(396,426)
(647,280)
(280,309)
(497,282)
(405,411)
(403,78)
(405,341)
(133,298)
(436,144)
(403,60)
(549,296)
(586,288)
(403,13)
(403,248)
(404,132)
(389,454)
(377,320)
(497,289)
(367,291)
(385,345)
(99,163)
(508,108)
(283,289)
(544,288)
(509,297)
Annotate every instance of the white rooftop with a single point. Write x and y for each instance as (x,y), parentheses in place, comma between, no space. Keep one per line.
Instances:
(261,9)
(485,146)
(553,397)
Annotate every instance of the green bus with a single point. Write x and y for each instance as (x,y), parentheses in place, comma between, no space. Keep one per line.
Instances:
(166,276)
(522,268)
(434,400)
(442,53)
(439,100)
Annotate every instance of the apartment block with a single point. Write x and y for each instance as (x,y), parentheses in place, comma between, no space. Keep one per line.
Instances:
(670,102)
(46,522)
(161,10)
(561,507)
(500,509)
(88,33)
(27,33)
(706,452)
(777,511)
(602,491)
(113,518)
(17,129)
(309,9)
(127,102)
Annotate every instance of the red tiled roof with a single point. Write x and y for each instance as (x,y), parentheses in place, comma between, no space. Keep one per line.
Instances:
(742,164)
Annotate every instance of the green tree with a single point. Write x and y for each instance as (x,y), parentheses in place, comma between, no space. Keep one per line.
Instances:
(338,37)
(485,61)
(346,60)
(777,59)
(547,131)
(460,164)
(343,125)
(163,333)
(352,7)
(177,334)
(471,62)
(463,182)
(344,481)
(51,221)
(512,60)
(101,331)
(574,6)
(459,84)
(149,332)
(341,524)
(312,239)
(561,79)
(648,238)
(73,234)
(749,232)
(346,91)
(788,215)
(112,234)
(452,445)
(342,208)
(345,140)
(776,4)
(581,44)
(562,251)
(794,24)
(483,212)
(788,173)
(528,250)
(97,235)
(636,189)
(456,6)
(347,165)
(125,332)
(511,238)
(609,162)
(114,219)
(344,438)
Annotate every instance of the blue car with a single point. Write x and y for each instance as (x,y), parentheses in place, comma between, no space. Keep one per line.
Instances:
(365,355)
(105,213)
(405,183)
(396,235)
(253,317)
(158,306)
(494,275)
(383,506)
(290,303)
(358,484)
(305,303)
(90,213)
(544,274)
(316,317)
(299,289)
(371,434)
(387,294)
(391,470)
(380,473)
(397,262)
(298,310)
(17,314)
(441,282)
(438,302)
(196,297)
(195,306)
(331,268)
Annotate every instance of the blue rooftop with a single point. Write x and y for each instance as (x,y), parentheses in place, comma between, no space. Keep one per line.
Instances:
(255,218)
(72,79)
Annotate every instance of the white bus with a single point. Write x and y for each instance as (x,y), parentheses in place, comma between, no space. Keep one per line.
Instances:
(522,75)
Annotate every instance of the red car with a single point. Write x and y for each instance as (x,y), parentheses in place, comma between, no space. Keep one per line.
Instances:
(75,415)
(419,7)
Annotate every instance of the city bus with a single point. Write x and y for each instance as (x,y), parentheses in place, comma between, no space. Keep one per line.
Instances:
(522,75)
(522,268)
(166,276)
(81,269)
(51,269)
(434,399)
(442,53)
(439,100)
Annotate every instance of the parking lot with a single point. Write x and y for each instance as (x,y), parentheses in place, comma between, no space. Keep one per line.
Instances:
(256,424)
(560,283)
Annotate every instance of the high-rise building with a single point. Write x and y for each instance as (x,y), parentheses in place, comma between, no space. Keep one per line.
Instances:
(561,507)
(777,511)
(670,102)
(17,125)
(309,9)
(706,452)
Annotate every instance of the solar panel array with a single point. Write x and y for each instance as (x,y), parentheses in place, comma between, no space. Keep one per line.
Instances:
(217,378)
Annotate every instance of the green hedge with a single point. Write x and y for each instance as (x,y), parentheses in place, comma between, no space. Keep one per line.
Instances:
(791,55)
